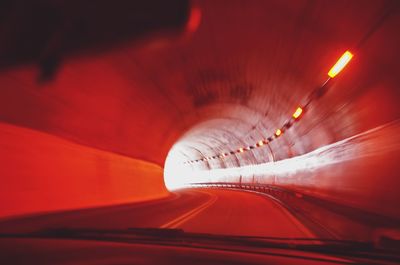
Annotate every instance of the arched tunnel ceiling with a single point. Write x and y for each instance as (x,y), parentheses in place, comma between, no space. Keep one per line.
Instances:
(236,79)
(249,65)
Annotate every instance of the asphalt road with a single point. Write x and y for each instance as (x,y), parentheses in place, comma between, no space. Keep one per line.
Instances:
(230,212)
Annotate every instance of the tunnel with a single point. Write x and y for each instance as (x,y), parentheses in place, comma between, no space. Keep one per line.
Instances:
(105,104)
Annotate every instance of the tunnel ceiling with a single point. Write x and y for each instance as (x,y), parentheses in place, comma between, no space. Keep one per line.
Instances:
(230,82)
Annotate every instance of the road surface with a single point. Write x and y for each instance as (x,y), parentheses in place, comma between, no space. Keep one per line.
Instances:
(229,212)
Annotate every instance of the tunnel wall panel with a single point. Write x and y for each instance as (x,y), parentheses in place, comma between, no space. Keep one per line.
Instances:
(40,172)
(361,172)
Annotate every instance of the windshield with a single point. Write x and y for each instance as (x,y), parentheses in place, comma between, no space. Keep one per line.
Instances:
(259,120)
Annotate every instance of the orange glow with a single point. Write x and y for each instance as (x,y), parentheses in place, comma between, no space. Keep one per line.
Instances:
(241,150)
(278,132)
(297,113)
(260,143)
(340,64)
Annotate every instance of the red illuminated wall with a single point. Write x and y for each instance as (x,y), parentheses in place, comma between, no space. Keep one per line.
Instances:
(42,172)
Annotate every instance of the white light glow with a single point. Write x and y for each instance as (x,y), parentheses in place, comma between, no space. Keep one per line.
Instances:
(175,172)
(178,175)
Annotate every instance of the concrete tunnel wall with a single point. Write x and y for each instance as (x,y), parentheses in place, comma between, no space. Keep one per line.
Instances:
(43,173)
(211,92)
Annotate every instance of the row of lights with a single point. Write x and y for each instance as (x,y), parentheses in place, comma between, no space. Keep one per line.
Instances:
(335,70)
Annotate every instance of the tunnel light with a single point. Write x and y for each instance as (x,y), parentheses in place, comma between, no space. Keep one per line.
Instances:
(297,113)
(260,143)
(278,132)
(340,64)
(241,150)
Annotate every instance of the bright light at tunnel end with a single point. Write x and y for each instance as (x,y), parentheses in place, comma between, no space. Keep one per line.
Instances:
(175,175)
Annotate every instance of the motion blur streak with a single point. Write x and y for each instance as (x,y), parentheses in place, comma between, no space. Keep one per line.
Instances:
(324,172)
(97,103)
(382,140)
